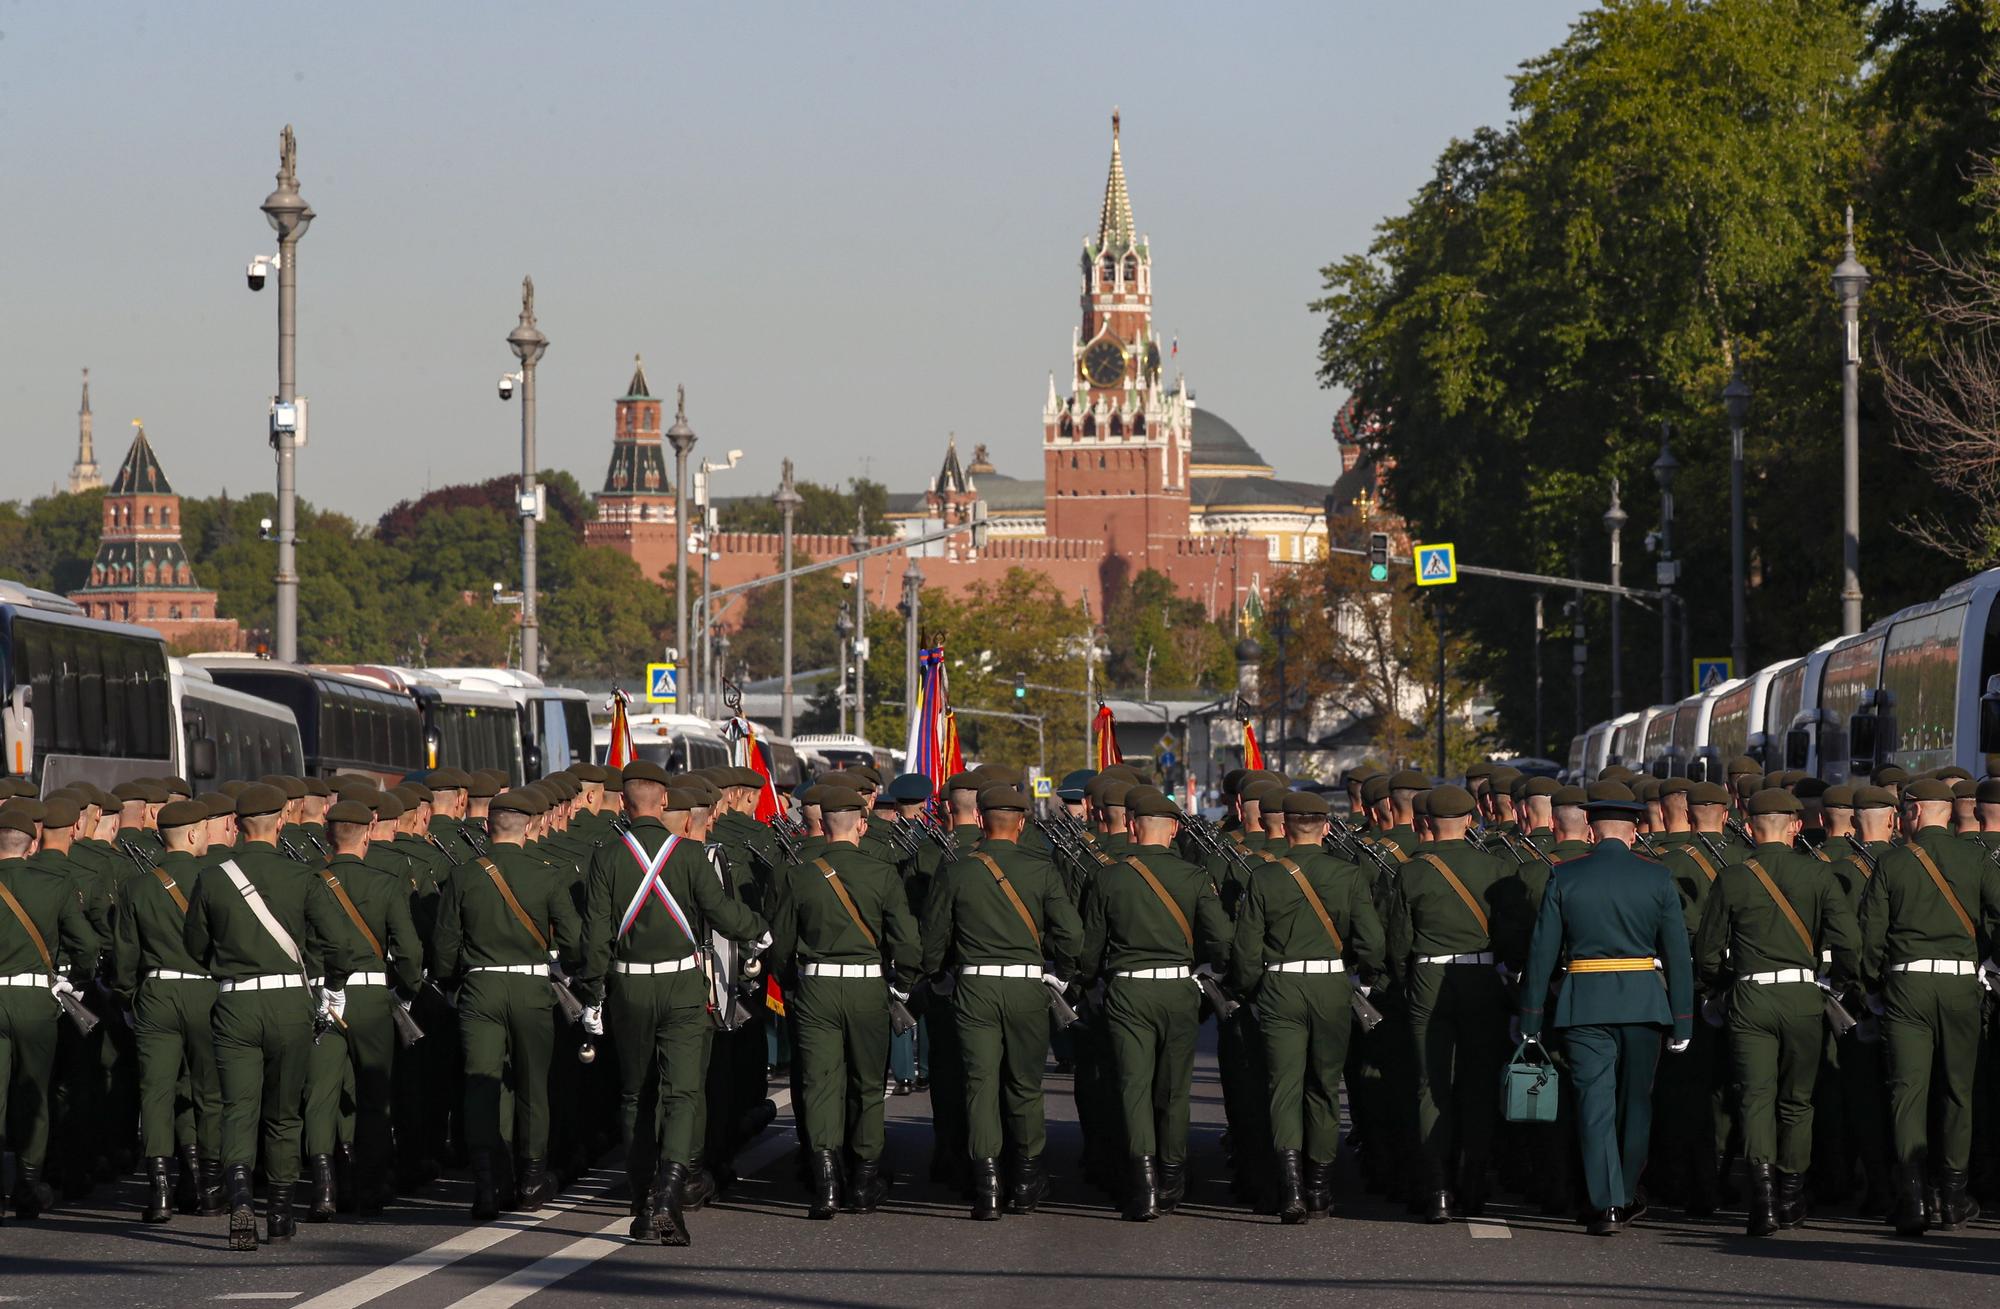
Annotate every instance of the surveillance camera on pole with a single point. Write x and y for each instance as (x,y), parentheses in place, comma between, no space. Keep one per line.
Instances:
(260,269)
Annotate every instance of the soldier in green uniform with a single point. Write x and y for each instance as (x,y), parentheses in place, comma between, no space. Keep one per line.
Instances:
(838,920)
(1306,934)
(1766,924)
(172,1002)
(991,919)
(1459,915)
(650,902)
(1152,919)
(1617,919)
(94,1073)
(1570,825)
(504,920)
(1924,915)
(909,1054)
(260,925)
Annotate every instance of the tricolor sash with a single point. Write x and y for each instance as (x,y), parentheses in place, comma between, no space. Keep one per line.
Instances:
(653,884)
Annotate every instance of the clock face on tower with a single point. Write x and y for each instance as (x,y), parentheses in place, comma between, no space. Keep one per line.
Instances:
(1104,362)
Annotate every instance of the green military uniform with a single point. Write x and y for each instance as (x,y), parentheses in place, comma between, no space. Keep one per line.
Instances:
(1145,950)
(1613,916)
(1923,958)
(1750,948)
(1693,1106)
(1301,979)
(998,1000)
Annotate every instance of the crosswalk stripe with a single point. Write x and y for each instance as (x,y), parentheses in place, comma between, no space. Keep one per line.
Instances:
(379,1283)
(543,1273)
(1491,1229)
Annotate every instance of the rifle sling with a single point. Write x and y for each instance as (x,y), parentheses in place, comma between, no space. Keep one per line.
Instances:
(173,889)
(1318,907)
(34,933)
(1013,896)
(846,900)
(1180,919)
(353,915)
(507,894)
(1701,861)
(1950,898)
(1459,887)
(1784,907)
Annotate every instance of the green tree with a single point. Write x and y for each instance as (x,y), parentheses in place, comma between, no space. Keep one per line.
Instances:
(1189,653)
(823,509)
(817,601)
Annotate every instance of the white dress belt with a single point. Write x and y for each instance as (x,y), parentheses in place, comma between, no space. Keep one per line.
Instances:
(1482,957)
(266,982)
(26,979)
(175,975)
(1000,970)
(655,970)
(1780,976)
(1949,967)
(1177,973)
(843,970)
(525,970)
(368,979)
(1308,966)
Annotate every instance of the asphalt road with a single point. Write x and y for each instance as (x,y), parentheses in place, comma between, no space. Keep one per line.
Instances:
(758,1248)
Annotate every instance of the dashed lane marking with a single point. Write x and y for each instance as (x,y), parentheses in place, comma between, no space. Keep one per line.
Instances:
(1491,1229)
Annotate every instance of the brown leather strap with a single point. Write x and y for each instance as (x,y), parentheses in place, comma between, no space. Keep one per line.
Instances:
(1701,862)
(1312,898)
(34,933)
(1784,907)
(1013,896)
(353,914)
(846,900)
(1862,864)
(1930,866)
(1180,919)
(1459,887)
(1396,850)
(173,889)
(507,894)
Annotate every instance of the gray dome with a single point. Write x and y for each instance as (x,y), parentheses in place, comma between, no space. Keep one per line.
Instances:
(1217,444)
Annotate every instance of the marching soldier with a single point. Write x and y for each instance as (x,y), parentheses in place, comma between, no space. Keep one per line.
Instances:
(1570,825)
(1692,1100)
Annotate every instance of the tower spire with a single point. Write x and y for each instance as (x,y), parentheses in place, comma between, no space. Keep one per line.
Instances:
(83,475)
(1114,223)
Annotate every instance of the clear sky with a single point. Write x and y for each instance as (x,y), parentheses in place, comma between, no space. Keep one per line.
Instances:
(849,229)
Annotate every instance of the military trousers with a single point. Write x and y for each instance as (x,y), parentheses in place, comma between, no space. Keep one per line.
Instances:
(263,1040)
(350,1079)
(1458,1042)
(1003,1034)
(948,1126)
(1612,1065)
(507,1033)
(28,1016)
(1930,1028)
(841,1035)
(172,1028)
(660,1024)
(1775,1041)
(1305,1020)
(1151,1025)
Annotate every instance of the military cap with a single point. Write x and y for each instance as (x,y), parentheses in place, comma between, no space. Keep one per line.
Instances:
(35,809)
(1504,776)
(681,797)
(909,788)
(614,781)
(1112,794)
(1420,804)
(742,775)
(1615,773)
(361,791)
(350,811)
(176,785)
(1409,780)
(183,813)
(1645,790)
(1951,773)
(1359,775)
(1482,768)
(835,799)
(1674,786)
(154,792)
(1569,797)
(317,786)
(1740,765)
(867,773)
(293,787)
(1533,786)
(1265,793)
(1708,793)
(1988,791)
(233,787)
(404,794)
(448,779)
(1151,802)
(16,820)
(1889,775)
(1072,784)
(1306,804)
(846,777)
(1603,790)
(1613,800)
(965,781)
(1838,796)
(1809,788)
(514,802)
(125,792)
(482,786)
(1517,785)
(1450,801)
(645,770)
(585,771)
(1773,800)
(1874,797)
(1963,789)
(1928,789)
(388,808)
(219,803)
(1233,780)
(1000,797)
(416,791)
(257,799)
(1128,774)
(13,786)
(1376,789)
(60,811)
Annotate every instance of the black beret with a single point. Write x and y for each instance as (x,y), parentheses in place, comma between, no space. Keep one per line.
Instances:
(836,799)
(1708,793)
(1928,789)
(350,811)
(1305,804)
(1150,802)
(1004,797)
(1073,783)
(60,811)
(1569,796)
(257,799)
(1839,796)
(1450,801)
(908,788)
(1988,791)
(1773,800)
(1409,780)
(645,770)
(515,802)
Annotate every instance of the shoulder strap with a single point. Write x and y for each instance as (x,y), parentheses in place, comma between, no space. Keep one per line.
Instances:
(1459,887)
(1312,898)
(1930,866)
(846,900)
(1013,896)
(173,889)
(1784,906)
(507,894)
(1396,850)
(1180,919)
(1701,860)
(1862,864)
(34,933)
(353,914)
(254,899)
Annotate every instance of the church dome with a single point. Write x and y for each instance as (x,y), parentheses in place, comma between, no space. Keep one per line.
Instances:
(1220,450)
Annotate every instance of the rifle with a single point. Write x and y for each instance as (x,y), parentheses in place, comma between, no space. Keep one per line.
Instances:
(1646,844)
(1365,1013)
(906,834)
(945,840)
(1356,845)
(290,851)
(1533,849)
(566,1001)
(1837,1016)
(442,849)
(788,844)
(320,845)
(1483,843)
(1861,848)
(1224,1004)
(901,1020)
(407,1031)
(470,836)
(133,853)
(1710,846)
(1737,830)
(1211,844)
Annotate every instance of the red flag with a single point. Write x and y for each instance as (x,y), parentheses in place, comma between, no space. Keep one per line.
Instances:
(774,995)
(1253,754)
(753,759)
(1105,735)
(619,752)
(954,758)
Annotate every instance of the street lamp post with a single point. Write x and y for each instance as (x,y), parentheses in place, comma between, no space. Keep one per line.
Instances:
(528,345)
(1850,279)
(1281,629)
(711,672)
(860,542)
(913,583)
(1615,519)
(682,438)
(1736,398)
(843,631)
(1579,658)
(1665,468)
(788,501)
(289,216)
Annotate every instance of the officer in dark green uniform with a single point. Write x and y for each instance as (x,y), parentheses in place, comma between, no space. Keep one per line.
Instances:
(991,919)
(1306,934)
(651,901)
(173,998)
(261,925)
(1617,919)
(1924,915)
(1766,925)
(1460,914)
(1151,920)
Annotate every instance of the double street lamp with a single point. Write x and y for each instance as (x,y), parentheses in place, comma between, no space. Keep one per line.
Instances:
(1615,519)
(1850,279)
(1665,469)
(289,215)
(528,345)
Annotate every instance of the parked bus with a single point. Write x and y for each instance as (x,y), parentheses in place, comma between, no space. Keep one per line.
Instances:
(835,751)
(555,720)
(347,724)
(82,698)
(226,733)
(466,727)
(678,743)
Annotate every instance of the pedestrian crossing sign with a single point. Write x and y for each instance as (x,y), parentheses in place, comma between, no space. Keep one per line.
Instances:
(663,683)
(1711,673)
(1437,565)
(1044,787)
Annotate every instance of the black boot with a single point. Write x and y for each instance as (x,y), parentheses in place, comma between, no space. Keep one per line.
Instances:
(31,1194)
(1319,1189)
(1956,1204)
(1437,1207)
(187,1188)
(344,1180)
(700,1187)
(642,1207)
(667,1220)
(1142,1190)
(825,1185)
(214,1200)
(485,1194)
(242,1218)
(985,1189)
(279,1225)
(538,1187)
(1791,1199)
(1908,1213)
(867,1186)
(1173,1186)
(159,1192)
(1030,1186)
(1292,1207)
(325,1190)
(1763,1200)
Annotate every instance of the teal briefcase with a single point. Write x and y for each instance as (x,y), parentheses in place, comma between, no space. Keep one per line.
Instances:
(1530,1085)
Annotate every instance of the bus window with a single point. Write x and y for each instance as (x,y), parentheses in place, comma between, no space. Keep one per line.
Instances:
(1920,669)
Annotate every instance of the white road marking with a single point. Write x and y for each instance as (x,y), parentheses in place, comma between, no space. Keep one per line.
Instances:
(1492,1229)
(442,1255)
(543,1273)
(254,1295)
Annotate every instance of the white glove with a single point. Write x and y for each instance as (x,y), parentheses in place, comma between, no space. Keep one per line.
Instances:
(1205,970)
(62,987)
(404,1005)
(1366,991)
(322,1003)
(1989,975)
(902,997)
(1678,1045)
(761,944)
(336,1004)
(1054,983)
(593,1019)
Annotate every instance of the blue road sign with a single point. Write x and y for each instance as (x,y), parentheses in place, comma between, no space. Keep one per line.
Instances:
(1437,565)
(1711,673)
(663,683)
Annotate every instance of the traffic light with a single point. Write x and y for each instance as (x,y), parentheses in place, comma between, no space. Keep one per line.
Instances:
(1020,686)
(1378,556)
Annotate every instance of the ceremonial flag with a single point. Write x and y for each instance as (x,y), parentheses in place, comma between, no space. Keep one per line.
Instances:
(1104,735)
(1253,754)
(931,749)
(744,733)
(619,752)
